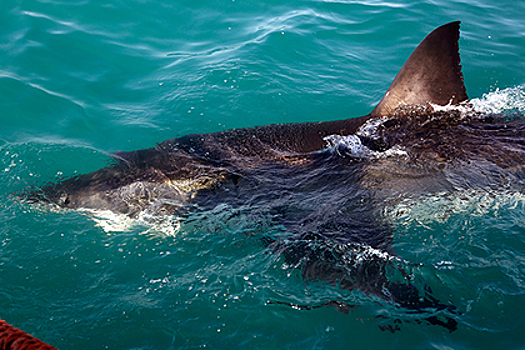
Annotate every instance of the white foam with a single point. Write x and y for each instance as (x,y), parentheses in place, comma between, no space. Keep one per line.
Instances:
(438,208)
(497,102)
(464,109)
(347,146)
(112,222)
(351,146)
(501,101)
(370,127)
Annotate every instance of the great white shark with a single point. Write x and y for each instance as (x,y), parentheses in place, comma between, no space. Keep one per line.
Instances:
(313,178)
(431,76)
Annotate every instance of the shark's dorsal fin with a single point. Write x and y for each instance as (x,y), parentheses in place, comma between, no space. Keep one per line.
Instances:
(432,74)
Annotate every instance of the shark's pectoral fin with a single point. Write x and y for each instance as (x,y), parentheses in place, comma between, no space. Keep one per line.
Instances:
(431,75)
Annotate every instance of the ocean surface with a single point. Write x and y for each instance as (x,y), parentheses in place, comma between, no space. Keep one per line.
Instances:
(82,79)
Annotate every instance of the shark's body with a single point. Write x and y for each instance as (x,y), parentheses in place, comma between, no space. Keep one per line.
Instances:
(432,75)
(326,197)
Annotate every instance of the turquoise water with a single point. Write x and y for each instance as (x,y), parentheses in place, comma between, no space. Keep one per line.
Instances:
(82,79)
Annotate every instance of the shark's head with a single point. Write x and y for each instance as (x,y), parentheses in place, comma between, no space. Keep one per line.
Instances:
(124,188)
(104,189)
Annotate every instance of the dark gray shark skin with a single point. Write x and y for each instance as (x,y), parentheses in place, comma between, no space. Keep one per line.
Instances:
(326,197)
(431,75)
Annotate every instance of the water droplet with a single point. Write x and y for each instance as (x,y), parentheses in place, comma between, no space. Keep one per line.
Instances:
(329,329)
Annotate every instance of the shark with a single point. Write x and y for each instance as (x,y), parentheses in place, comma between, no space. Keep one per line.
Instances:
(325,182)
(178,168)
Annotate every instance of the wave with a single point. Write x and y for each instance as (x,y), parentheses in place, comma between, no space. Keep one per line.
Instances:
(501,101)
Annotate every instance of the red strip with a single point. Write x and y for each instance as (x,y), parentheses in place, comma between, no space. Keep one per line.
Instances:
(12,338)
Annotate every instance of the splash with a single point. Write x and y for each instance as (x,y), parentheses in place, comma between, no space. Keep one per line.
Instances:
(464,109)
(439,208)
(166,225)
(351,146)
(501,101)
